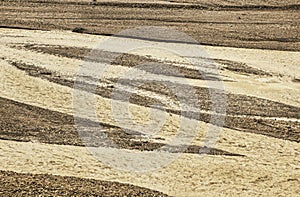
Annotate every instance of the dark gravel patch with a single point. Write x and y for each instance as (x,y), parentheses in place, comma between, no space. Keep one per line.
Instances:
(235,104)
(131,60)
(19,184)
(241,68)
(261,25)
(128,60)
(22,122)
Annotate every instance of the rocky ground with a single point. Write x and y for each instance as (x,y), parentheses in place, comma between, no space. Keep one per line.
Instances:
(270,24)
